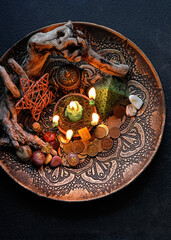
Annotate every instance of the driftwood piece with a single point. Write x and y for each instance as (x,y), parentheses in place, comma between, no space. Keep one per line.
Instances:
(17,68)
(15,133)
(119,70)
(72,45)
(8,83)
(40,45)
(34,140)
(8,127)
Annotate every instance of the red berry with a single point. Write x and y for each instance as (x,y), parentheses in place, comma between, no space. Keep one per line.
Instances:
(49,136)
(38,158)
(56,161)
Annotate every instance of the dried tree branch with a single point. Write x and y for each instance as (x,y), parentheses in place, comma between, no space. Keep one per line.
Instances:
(8,83)
(17,68)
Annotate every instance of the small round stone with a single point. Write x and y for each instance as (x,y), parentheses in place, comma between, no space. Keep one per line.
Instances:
(114,132)
(100,132)
(92,150)
(49,136)
(119,111)
(77,146)
(136,101)
(56,161)
(38,158)
(107,143)
(73,159)
(24,153)
(48,159)
(131,111)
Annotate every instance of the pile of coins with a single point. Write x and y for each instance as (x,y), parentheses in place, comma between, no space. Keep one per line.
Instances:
(102,138)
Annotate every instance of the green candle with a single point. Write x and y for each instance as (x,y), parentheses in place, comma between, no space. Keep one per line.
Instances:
(74,111)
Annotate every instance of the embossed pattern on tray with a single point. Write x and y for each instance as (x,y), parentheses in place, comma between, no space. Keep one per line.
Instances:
(140,137)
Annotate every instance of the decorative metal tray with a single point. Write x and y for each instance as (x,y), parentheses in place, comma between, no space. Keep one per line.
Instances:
(140,136)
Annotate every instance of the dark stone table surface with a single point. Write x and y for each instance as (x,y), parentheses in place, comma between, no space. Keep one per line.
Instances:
(140,211)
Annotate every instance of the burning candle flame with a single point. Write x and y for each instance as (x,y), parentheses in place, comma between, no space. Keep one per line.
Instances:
(95,119)
(69,134)
(92,93)
(56,119)
(73,105)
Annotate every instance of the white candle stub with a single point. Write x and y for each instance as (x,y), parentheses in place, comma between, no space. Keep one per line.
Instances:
(92,93)
(95,119)
(69,134)
(136,101)
(73,105)
(131,111)
(55,119)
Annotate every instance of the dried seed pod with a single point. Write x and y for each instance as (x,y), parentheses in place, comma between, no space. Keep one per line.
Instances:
(36,127)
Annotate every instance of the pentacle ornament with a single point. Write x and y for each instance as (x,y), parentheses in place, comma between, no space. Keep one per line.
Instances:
(107,164)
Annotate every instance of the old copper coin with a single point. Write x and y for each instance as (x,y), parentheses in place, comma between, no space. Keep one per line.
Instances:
(86,144)
(97,143)
(114,132)
(73,159)
(107,143)
(77,146)
(119,111)
(100,132)
(82,156)
(67,147)
(105,127)
(113,121)
(92,150)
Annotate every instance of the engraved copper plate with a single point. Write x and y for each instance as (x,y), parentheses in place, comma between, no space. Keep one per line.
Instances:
(140,137)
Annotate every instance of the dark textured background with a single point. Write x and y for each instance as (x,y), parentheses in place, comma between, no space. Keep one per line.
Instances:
(140,211)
